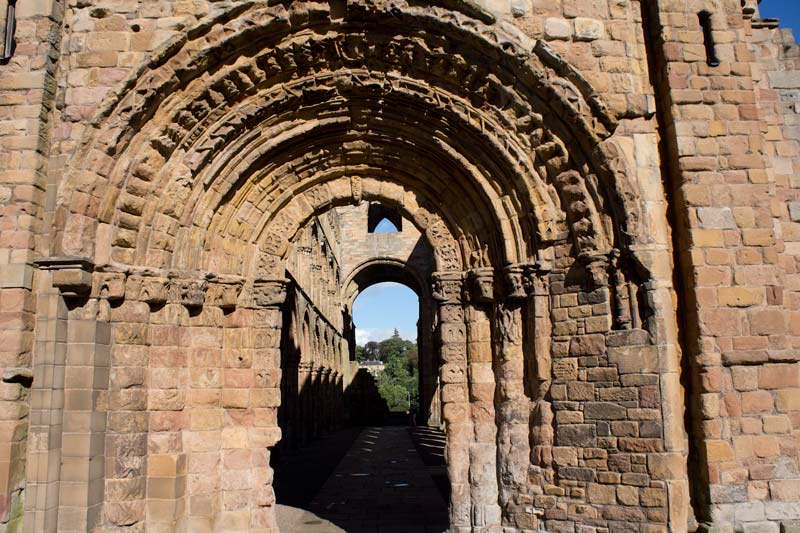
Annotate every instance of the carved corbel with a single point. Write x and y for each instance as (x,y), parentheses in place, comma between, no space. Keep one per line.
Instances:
(357,189)
(448,287)
(481,284)
(71,275)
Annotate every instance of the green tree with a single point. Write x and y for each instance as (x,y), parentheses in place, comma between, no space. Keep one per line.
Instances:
(398,383)
(372,351)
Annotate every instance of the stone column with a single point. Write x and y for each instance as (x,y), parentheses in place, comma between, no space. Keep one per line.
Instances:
(512,404)
(290,404)
(486,515)
(429,393)
(76,374)
(326,396)
(538,369)
(456,410)
(249,460)
(46,404)
(305,371)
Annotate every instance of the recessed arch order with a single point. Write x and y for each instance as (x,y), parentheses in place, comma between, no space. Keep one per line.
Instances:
(381,270)
(235,134)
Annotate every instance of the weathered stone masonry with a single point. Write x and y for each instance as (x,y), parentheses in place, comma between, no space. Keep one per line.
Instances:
(606,225)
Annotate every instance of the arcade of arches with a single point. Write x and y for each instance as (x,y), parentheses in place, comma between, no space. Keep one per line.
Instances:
(600,213)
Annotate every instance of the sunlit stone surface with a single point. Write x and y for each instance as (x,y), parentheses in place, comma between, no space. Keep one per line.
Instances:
(600,206)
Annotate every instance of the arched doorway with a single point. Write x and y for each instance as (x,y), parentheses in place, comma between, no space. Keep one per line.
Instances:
(379,270)
(494,148)
(363,479)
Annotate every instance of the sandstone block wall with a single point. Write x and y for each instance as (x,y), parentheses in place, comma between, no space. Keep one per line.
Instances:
(614,225)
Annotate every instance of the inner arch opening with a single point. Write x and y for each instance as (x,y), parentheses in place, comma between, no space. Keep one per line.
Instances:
(360,395)
(386,319)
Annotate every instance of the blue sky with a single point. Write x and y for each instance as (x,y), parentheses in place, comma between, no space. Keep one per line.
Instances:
(786,10)
(383,307)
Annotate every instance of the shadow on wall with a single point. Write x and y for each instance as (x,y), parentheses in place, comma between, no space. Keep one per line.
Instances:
(302,468)
(365,406)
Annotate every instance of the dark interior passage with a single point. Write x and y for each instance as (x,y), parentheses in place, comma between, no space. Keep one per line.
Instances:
(353,391)
(388,478)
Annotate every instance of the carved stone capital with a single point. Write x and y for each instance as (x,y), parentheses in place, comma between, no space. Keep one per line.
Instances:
(269,292)
(517,285)
(523,280)
(71,275)
(448,286)
(188,292)
(597,267)
(481,284)
(224,294)
(109,286)
(152,290)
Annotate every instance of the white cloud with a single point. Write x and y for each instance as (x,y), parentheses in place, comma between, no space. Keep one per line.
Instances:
(383,307)
(365,335)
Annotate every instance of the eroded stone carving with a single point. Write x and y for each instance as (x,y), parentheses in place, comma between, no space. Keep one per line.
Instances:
(481,282)
(191,293)
(448,286)
(269,293)
(224,295)
(110,286)
(508,326)
(150,290)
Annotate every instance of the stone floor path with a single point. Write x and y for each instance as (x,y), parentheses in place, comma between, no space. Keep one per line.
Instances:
(381,485)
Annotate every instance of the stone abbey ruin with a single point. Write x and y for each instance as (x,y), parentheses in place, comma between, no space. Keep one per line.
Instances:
(600,211)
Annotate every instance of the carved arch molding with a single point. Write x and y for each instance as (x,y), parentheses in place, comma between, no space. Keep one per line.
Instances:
(237,132)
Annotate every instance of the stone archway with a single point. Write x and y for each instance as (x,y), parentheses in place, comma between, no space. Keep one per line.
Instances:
(204,168)
(380,270)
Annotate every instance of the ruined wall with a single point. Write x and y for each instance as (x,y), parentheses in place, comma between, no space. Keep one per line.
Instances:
(361,246)
(733,163)
(402,257)
(315,347)
(664,230)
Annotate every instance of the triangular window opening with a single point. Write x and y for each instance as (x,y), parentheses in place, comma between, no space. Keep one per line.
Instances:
(386,226)
(381,219)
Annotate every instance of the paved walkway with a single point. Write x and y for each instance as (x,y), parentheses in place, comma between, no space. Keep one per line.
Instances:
(382,485)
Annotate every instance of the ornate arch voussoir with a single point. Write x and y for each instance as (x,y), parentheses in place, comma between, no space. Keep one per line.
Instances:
(613,168)
(278,231)
(527,74)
